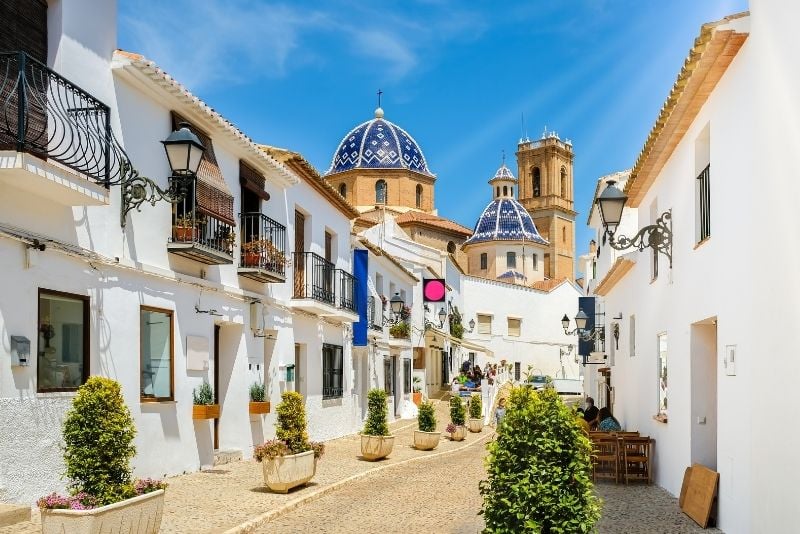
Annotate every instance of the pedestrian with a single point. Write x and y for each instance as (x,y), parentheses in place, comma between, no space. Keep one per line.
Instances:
(500,411)
(590,415)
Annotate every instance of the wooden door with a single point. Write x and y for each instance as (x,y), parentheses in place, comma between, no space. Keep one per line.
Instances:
(299,249)
(216,385)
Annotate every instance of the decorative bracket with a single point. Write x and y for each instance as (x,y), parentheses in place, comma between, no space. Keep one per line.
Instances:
(657,236)
(137,190)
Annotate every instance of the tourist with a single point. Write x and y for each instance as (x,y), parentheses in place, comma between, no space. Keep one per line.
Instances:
(608,423)
(590,415)
(500,411)
(581,421)
(477,373)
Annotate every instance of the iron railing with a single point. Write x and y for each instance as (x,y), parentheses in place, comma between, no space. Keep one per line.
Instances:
(191,226)
(374,314)
(332,371)
(263,243)
(345,290)
(704,201)
(313,277)
(46,115)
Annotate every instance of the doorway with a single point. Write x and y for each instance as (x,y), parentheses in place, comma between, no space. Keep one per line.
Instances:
(704,392)
(445,363)
(217,399)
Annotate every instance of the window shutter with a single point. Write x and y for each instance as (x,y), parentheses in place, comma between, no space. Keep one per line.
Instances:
(514,327)
(252,180)
(484,324)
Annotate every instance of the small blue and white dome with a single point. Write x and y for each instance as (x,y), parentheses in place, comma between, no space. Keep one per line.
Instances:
(505,219)
(378,144)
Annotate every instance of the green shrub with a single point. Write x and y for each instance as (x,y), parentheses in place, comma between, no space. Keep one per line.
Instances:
(291,425)
(458,415)
(258,392)
(98,442)
(203,395)
(475,407)
(377,413)
(426,418)
(539,469)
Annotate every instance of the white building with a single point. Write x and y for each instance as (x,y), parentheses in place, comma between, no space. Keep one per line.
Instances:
(702,364)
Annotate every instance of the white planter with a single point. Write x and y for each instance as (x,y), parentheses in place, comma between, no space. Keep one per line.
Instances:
(139,515)
(286,472)
(475,425)
(426,441)
(459,434)
(376,447)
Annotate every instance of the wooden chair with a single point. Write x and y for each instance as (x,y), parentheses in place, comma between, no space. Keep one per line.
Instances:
(636,458)
(605,458)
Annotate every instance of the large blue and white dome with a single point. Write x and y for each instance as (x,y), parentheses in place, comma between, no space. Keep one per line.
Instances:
(378,144)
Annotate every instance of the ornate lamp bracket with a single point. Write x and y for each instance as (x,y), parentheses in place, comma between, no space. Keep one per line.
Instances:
(657,236)
(137,190)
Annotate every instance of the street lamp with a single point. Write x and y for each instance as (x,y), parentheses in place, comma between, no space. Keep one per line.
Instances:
(657,236)
(471,325)
(396,304)
(184,151)
(442,317)
(581,320)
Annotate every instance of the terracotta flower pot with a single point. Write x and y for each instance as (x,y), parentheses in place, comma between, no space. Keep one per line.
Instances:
(286,472)
(376,447)
(205,411)
(139,515)
(252,259)
(258,408)
(417,397)
(475,425)
(459,434)
(426,441)
(183,233)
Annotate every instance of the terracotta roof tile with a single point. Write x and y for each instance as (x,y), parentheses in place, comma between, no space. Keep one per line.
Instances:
(416,217)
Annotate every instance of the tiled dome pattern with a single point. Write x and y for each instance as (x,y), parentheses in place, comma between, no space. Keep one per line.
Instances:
(378,144)
(504,173)
(505,219)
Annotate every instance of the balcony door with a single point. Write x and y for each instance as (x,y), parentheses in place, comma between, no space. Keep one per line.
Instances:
(299,248)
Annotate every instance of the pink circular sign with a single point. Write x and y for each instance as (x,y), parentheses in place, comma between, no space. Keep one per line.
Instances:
(434,290)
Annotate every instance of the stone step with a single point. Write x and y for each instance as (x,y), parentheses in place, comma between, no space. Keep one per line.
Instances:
(226,456)
(11,514)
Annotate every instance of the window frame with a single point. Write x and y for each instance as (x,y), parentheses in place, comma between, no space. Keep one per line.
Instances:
(489,323)
(86,299)
(484,259)
(343,189)
(171,314)
(333,372)
(511,264)
(407,375)
(389,386)
(519,326)
(535,260)
(536,182)
(378,188)
(419,193)
(703,203)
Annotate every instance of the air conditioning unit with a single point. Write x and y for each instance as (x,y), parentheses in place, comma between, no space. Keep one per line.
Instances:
(597,358)
(257,318)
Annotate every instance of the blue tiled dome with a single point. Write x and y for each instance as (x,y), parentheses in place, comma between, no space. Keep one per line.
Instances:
(505,219)
(378,144)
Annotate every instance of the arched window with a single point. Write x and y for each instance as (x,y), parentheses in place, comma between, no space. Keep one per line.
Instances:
(498,191)
(380,192)
(419,196)
(505,191)
(512,191)
(343,190)
(564,234)
(451,247)
(563,182)
(537,182)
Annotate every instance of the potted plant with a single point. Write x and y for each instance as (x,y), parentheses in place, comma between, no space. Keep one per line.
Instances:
(184,227)
(376,442)
(456,428)
(203,403)
(290,460)
(258,393)
(400,330)
(417,390)
(475,413)
(426,438)
(98,438)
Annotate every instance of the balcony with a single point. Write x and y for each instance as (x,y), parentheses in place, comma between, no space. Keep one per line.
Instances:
(200,236)
(263,254)
(374,315)
(321,289)
(55,138)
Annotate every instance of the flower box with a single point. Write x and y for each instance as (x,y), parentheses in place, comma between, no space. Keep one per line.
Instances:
(139,515)
(205,411)
(426,441)
(283,473)
(258,408)
(376,447)
(475,425)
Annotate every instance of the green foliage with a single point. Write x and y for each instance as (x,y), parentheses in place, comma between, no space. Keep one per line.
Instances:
(457,413)
(400,330)
(98,442)
(539,469)
(426,417)
(475,407)
(377,414)
(291,425)
(203,395)
(258,392)
(457,330)
(417,384)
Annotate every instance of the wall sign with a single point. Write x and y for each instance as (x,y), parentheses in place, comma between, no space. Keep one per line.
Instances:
(434,290)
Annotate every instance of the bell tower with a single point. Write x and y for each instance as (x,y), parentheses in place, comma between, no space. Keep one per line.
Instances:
(546,191)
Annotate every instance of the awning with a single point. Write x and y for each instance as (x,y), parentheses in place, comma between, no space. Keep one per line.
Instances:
(251,180)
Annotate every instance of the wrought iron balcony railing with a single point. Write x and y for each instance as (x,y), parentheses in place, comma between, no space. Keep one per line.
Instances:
(313,277)
(46,115)
(200,236)
(374,314)
(263,243)
(345,290)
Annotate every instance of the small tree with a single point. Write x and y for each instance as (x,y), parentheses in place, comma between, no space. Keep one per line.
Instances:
(291,425)
(377,413)
(98,442)
(475,407)
(426,417)
(458,415)
(539,469)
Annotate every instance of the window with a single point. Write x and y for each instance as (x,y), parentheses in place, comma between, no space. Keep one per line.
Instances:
(564,234)
(512,191)
(517,370)
(472,360)
(537,182)
(388,375)
(484,261)
(329,246)
(484,324)
(505,190)
(514,326)
(332,371)
(63,341)
(156,354)
(703,196)
(380,192)
(632,336)
(563,190)
(511,260)
(662,374)
(498,191)
(407,375)
(419,196)
(343,190)
(535,262)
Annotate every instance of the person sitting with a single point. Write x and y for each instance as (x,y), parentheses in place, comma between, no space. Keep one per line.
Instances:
(608,423)
(581,421)
(477,373)
(590,415)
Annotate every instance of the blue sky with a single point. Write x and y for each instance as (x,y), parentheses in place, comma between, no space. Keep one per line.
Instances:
(456,75)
